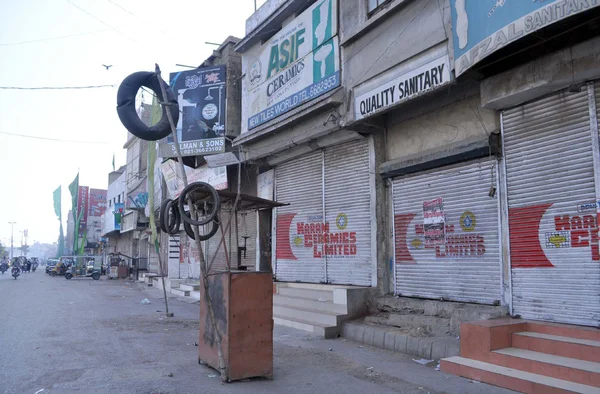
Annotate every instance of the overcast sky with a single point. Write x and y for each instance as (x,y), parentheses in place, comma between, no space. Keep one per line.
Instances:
(129,34)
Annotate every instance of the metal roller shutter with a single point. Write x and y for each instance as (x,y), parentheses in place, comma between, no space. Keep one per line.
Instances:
(299,182)
(458,259)
(551,193)
(348,210)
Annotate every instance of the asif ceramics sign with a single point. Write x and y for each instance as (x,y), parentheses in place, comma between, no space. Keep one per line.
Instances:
(404,87)
(299,63)
(482,27)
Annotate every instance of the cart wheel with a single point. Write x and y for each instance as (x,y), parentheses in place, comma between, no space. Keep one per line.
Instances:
(95,276)
(68,276)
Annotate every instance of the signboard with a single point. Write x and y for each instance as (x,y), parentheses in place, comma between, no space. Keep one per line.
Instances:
(137,198)
(484,26)
(201,94)
(264,184)
(83,194)
(223,159)
(434,222)
(299,63)
(118,214)
(217,177)
(98,202)
(405,87)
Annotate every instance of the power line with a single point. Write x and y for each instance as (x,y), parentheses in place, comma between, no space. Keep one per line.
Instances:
(56,87)
(52,139)
(53,38)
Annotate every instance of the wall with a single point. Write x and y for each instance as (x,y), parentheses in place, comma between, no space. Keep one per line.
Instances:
(452,123)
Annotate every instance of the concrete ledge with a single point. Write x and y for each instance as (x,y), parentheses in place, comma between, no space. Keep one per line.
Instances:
(431,348)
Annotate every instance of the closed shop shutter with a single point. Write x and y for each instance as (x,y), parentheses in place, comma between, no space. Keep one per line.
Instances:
(299,182)
(349,214)
(555,263)
(446,233)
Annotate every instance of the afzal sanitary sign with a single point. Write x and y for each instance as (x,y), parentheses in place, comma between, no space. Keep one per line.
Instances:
(299,63)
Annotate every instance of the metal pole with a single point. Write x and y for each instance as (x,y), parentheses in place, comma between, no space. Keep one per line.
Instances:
(12,230)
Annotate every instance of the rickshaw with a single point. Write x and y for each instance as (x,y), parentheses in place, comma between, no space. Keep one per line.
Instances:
(61,267)
(84,266)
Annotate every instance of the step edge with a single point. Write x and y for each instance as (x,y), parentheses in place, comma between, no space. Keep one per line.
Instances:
(304,322)
(527,376)
(525,352)
(312,310)
(558,338)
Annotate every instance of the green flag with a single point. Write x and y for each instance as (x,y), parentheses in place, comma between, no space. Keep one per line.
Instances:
(74,189)
(113,163)
(57,202)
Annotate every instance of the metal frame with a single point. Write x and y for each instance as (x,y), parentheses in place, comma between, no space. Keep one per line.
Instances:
(274,228)
(595,141)
(392,232)
(373,209)
(323,203)
(504,223)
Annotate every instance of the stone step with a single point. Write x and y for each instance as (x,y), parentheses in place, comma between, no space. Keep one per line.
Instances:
(310,294)
(421,325)
(513,379)
(293,302)
(582,349)
(307,315)
(323,330)
(564,330)
(195,295)
(577,371)
(189,287)
(180,293)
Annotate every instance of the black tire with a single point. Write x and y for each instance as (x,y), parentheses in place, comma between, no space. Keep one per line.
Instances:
(169,217)
(95,276)
(214,203)
(52,273)
(68,276)
(126,106)
(190,231)
(163,215)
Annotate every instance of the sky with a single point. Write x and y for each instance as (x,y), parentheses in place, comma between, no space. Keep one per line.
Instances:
(60,43)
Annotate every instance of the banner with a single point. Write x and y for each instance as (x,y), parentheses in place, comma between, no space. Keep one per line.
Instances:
(74,188)
(82,206)
(57,195)
(299,63)
(98,203)
(201,94)
(216,177)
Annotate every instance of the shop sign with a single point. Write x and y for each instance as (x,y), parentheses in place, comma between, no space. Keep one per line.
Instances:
(98,202)
(299,63)
(83,207)
(265,183)
(216,177)
(422,79)
(201,94)
(482,27)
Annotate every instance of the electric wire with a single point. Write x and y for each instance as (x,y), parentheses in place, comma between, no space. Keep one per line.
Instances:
(56,87)
(53,38)
(35,137)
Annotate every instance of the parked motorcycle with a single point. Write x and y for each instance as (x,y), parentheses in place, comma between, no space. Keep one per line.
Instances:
(16,272)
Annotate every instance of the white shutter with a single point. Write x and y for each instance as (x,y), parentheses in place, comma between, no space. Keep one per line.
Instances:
(553,238)
(348,212)
(299,182)
(464,263)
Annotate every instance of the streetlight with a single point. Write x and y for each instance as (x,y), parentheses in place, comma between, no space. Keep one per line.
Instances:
(12,228)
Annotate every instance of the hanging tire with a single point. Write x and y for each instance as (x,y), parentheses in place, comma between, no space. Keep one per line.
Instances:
(203,237)
(214,203)
(95,276)
(126,106)
(68,276)
(169,217)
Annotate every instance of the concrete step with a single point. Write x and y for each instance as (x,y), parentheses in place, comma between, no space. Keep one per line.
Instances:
(581,349)
(307,315)
(564,330)
(423,324)
(578,371)
(180,293)
(195,295)
(525,382)
(298,302)
(412,306)
(320,329)
(189,287)
(310,294)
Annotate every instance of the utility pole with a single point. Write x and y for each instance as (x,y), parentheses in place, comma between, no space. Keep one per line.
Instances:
(12,228)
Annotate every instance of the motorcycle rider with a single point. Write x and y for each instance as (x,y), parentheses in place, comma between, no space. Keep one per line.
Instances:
(4,264)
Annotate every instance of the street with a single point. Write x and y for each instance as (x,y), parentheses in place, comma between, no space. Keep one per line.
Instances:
(85,336)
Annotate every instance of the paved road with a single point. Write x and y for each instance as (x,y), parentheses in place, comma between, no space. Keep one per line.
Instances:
(85,336)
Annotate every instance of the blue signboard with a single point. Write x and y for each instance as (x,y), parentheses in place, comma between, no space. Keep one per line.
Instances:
(481,27)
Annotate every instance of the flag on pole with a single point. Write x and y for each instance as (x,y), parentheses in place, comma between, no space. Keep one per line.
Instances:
(57,195)
(113,163)
(74,189)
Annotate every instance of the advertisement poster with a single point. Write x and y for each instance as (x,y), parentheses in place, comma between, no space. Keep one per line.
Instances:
(201,94)
(83,194)
(216,177)
(434,220)
(482,27)
(98,202)
(299,63)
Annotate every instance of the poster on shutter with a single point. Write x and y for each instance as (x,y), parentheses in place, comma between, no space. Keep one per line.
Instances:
(434,221)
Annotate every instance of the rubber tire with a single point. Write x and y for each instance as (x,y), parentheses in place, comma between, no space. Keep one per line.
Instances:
(68,276)
(169,206)
(95,276)
(216,201)
(52,273)
(126,106)
(190,231)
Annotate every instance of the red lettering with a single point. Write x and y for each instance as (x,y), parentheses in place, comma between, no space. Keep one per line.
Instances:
(594,241)
(439,253)
(579,239)
(345,238)
(346,250)
(562,223)
(300,228)
(353,249)
(353,237)
(419,229)
(334,238)
(317,253)
(326,227)
(589,221)
(576,223)
(308,240)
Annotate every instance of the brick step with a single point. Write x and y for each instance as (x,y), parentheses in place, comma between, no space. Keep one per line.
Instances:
(564,330)
(525,382)
(308,303)
(581,349)
(320,329)
(308,315)
(577,371)
(306,293)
